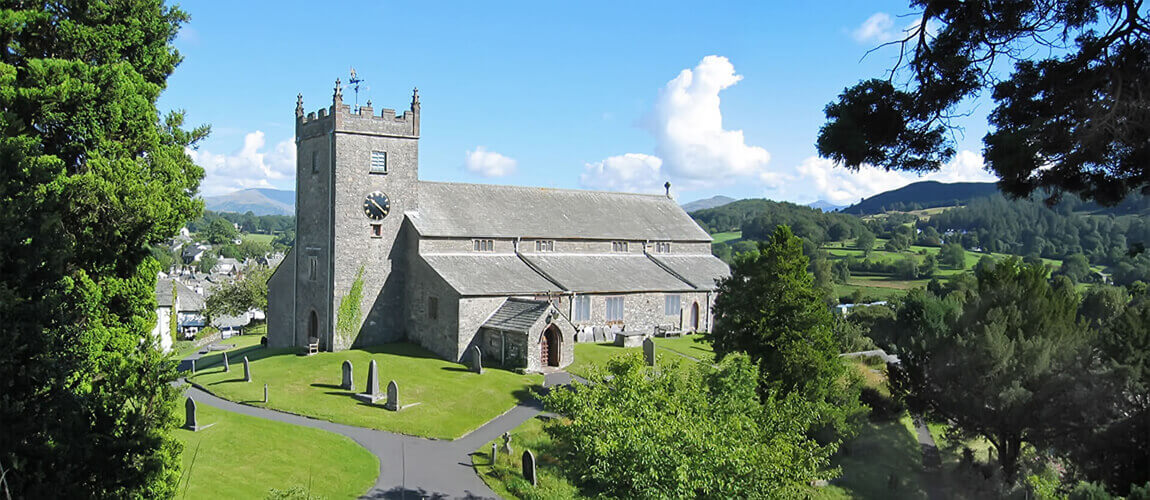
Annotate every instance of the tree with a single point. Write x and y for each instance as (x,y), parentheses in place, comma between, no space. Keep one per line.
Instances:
(865,242)
(770,309)
(898,243)
(929,266)
(907,268)
(1071,116)
(1008,364)
(841,271)
(207,262)
(92,175)
(220,231)
(953,256)
(838,231)
(1075,267)
(739,446)
(241,295)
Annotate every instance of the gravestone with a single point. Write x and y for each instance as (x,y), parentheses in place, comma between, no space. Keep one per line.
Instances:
(529,467)
(507,443)
(476,360)
(348,383)
(247,370)
(193,367)
(265,394)
(649,352)
(392,396)
(371,393)
(226,367)
(494,452)
(190,420)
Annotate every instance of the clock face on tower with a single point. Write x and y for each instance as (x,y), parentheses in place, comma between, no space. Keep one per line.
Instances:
(376,206)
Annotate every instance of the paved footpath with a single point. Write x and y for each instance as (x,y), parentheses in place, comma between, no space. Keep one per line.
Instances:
(409,467)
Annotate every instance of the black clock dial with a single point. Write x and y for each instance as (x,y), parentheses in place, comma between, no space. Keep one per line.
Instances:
(376,206)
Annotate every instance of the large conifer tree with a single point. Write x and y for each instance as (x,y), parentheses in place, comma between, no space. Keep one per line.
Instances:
(90,173)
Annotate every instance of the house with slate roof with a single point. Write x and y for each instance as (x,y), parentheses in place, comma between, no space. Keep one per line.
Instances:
(520,272)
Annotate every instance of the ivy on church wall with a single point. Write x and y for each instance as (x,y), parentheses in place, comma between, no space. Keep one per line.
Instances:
(173,325)
(349,314)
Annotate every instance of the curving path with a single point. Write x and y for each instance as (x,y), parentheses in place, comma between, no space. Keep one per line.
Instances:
(409,467)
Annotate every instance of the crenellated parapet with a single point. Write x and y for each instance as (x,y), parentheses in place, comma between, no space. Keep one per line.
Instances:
(341,118)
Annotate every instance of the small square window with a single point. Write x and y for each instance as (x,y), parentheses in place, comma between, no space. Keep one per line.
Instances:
(377,230)
(618,246)
(672,305)
(484,245)
(663,247)
(379,162)
(544,245)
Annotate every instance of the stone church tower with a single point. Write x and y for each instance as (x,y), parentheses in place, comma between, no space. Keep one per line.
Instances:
(356,175)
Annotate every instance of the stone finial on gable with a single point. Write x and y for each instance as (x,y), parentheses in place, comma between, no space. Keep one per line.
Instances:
(415,99)
(299,106)
(338,95)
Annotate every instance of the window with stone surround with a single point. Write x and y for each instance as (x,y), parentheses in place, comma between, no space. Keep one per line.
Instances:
(432,307)
(618,246)
(544,245)
(379,162)
(614,309)
(662,247)
(672,305)
(377,230)
(581,308)
(484,245)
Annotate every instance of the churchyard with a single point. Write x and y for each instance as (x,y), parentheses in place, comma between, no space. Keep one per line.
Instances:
(239,456)
(437,398)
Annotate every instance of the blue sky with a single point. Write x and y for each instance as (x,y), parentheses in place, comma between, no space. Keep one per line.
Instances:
(718,98)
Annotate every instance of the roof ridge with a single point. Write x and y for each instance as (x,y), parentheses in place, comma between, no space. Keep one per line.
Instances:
(568,190)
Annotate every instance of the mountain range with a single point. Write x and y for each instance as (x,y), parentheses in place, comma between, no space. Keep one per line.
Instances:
(258,201)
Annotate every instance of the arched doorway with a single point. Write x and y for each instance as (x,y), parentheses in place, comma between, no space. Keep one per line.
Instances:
(549,348)
(695,317)
(312,327)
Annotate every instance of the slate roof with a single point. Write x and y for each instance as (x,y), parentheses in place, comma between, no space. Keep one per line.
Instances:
(606,273)
(189,299)
(517,315)
(488,274)
(698,270)
(164,292)
(231,321)
(482,210)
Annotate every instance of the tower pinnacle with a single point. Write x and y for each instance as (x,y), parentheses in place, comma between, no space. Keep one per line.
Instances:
(338,96)
(299,105)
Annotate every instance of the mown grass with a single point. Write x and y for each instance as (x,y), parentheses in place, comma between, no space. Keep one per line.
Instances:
(690,345)
(244,457)
(451,399)
(728,236)
(505,475)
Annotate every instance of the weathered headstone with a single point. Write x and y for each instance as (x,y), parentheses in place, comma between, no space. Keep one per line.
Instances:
(226,367)
(265,394)
(649,351)
(348,383)
(494,452)
(392,396)
(193,367)
(507,443)
(190,420)
(247,370)
(529,467)
(371,393)
(476,359)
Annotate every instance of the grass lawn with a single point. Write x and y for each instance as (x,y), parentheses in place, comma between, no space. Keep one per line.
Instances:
(725,237)
(242,343)
(258,238)
(880,450)
(690,345)
(452,400)
(505,477)
(244,457)
(588,354)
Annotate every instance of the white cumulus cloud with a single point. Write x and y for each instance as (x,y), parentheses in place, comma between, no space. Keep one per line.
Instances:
(488,163)
(631,172)
(252,166)
(843,186)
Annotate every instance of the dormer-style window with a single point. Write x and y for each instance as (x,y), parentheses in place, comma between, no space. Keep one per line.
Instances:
(484,245)
(544,245)
(662,247)
(379,162)
(618,246)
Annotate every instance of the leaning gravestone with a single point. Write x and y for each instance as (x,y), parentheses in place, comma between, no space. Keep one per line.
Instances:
(247,370)
(649,352)
(507,443)
(476,360)
(226,367)
(190,421)
(348,383)
(392,396)
(529,467)
(371,393)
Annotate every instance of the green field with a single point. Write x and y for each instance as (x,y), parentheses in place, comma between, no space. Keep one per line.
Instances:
(689,345)
(258,238)
(449,400)
(725,237)
(235,458)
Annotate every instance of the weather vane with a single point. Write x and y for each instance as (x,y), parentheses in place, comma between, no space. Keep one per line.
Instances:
(354,80)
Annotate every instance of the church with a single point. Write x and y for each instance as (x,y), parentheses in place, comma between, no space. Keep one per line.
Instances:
(521,272)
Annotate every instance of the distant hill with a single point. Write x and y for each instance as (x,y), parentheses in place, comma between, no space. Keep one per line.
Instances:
(258,201)
(825,206)
(712,202)
(920,195)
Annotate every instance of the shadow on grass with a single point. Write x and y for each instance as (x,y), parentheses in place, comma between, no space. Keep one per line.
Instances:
(328,386)
(254,353)
(455,369)
(229,381)
(883,451)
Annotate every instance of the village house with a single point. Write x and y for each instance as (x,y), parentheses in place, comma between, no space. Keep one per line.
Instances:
(521,272)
